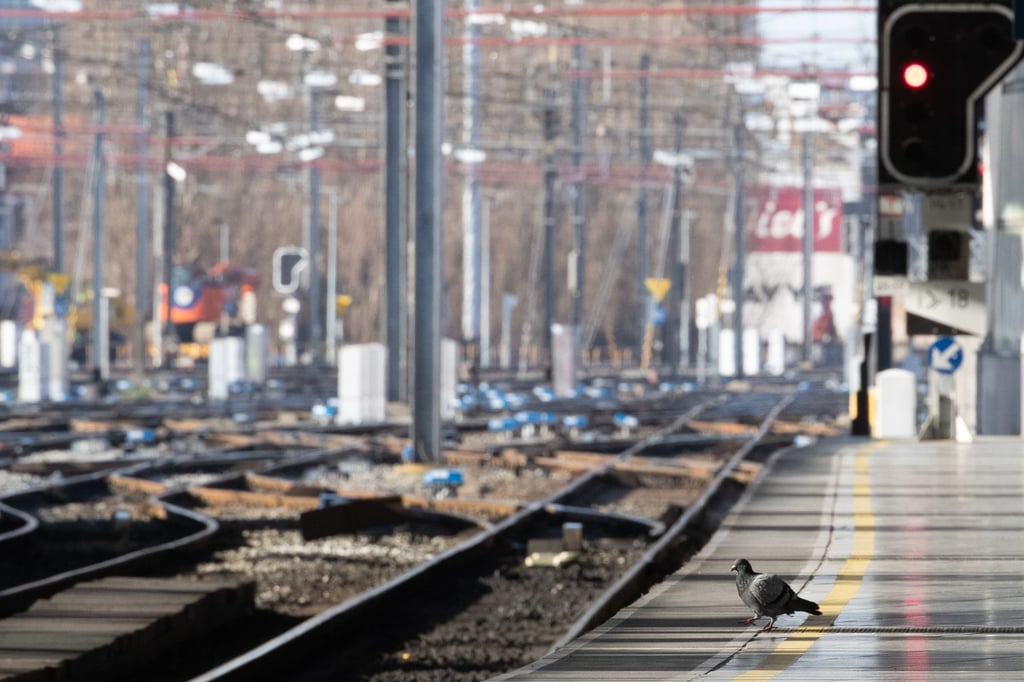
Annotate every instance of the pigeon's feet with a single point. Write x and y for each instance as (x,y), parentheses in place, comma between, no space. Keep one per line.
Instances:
(769,627)
(748,621)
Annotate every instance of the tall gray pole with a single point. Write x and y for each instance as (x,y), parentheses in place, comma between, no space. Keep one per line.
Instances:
(225,240)
(169,224)
(142,209)
(641,210)
(485,283)
(508,304)
(808,248)
(470,185)
(99,340)
(740,247)
(550,174)
(331,325)
(579,212)
(678,253)
(396,233)
(58,151)
(429,228)
(315,310)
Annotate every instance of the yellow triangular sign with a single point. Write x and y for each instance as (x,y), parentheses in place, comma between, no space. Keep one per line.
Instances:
(658,286)
(59,281)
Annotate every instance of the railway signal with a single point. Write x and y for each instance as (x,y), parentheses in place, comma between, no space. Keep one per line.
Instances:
(289,265)
(936,61)
(915,75)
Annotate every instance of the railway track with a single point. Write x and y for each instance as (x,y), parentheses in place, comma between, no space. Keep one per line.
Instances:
(431,642)
(633,506)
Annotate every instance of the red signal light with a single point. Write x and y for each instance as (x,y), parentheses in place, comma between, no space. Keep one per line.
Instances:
(915,75)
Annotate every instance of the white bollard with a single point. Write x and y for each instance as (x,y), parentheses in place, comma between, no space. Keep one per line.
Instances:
(751,352)
(257,352)
(226,365)
(216,384)
(726,353)
(235,358)
(775,362)
(362,398)
(55,339)
(449,377)
(32,365)
(8,344)
(895,404)
(563,359)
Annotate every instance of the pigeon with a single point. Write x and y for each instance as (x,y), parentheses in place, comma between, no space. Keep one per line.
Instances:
(768,595)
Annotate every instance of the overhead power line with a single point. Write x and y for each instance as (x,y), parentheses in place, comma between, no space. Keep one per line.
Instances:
(451,13)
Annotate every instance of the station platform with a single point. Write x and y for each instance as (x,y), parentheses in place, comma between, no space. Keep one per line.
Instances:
(914,551)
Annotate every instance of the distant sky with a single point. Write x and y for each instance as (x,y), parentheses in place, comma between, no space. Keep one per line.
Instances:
(829,26)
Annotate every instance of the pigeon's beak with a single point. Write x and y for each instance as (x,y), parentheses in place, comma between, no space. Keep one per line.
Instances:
(733,567)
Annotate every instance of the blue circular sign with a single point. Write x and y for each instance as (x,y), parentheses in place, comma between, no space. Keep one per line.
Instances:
(945,355)
(659,315)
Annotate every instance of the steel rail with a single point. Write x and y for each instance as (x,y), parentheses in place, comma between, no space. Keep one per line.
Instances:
(18,597)
(323,629)
(640,576)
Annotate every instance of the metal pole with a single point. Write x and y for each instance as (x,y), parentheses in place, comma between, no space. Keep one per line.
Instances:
(103,326)
(470,184)
(225,241)
(98,246)
(808,249)
(396,233)
(550,175)
(58,151)
(678,256)
(485,284)
(737,273)
(142,210)
(883,335)
(861,424)
(169,220)
(579,212)
(641,211)
(332,279)
(508,304)
(314,238)
(156,306)
(429,228)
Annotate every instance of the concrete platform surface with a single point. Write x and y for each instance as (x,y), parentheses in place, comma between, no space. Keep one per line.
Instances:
(914,550)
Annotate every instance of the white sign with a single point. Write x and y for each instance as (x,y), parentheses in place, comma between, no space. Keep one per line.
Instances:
(890,215)
(890,205)
(953,303)
(946,211)
(707,311)
(890,285)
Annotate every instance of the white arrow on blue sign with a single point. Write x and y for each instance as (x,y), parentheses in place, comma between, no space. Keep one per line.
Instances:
(660,315)
(945,355)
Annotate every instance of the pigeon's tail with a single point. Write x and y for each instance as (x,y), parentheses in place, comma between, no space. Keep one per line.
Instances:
(801,604)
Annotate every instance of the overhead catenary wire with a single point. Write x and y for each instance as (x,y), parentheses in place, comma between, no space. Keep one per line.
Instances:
(221,115)
(566,11)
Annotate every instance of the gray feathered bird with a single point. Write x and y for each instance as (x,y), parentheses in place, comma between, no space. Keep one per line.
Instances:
(768,595)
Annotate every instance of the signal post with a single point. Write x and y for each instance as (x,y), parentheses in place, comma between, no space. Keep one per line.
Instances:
(936,62)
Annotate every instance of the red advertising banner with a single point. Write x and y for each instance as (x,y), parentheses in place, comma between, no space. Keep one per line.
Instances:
(777,222)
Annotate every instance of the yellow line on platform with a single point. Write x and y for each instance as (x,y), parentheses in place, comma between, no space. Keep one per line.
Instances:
(847,583)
